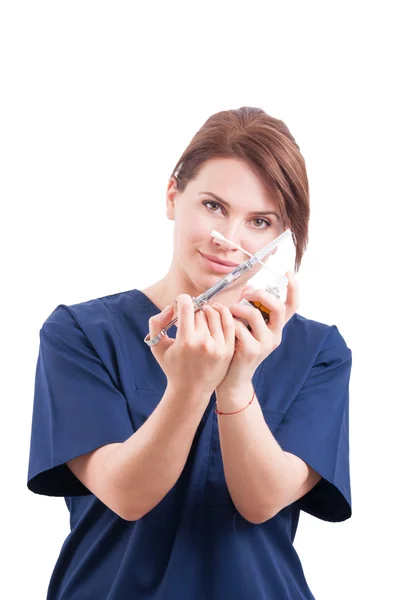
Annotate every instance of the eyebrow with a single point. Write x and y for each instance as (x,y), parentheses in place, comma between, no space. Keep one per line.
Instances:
(255,212)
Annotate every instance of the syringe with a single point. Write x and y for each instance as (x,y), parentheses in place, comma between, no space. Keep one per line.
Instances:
(221,285)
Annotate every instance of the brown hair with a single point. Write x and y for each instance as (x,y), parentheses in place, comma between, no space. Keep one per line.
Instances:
(268,147)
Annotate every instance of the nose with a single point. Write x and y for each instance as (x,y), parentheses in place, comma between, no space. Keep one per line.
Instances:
(224,243)
(228,248)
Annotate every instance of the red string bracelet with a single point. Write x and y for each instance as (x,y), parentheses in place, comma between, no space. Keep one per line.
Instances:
(236,411)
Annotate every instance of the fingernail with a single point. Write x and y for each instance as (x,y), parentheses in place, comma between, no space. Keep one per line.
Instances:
(166,309)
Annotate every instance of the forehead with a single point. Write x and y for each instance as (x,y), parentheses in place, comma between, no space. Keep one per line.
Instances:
(235,181)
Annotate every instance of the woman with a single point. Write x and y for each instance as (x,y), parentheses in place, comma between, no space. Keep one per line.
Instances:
(185,464)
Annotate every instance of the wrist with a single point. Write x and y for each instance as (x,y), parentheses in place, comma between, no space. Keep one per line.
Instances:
(188,394)
(233,398)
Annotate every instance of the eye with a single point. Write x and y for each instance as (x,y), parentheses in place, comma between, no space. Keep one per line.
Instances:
(264,221)
(211,202)
(255,219)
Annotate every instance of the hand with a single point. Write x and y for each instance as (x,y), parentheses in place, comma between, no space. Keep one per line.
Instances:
(252,347)
(200,355)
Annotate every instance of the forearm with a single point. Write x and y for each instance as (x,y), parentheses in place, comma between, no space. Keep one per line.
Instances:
(147,465)
(257,471)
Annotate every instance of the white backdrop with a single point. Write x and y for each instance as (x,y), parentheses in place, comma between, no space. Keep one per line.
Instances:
(98,101)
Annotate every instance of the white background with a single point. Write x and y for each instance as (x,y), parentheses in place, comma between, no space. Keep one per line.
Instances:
(98,102)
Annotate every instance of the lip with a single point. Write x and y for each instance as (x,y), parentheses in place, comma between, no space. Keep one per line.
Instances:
(226,263)
(215,266)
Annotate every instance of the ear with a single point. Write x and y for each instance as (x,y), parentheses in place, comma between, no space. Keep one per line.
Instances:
(171,194)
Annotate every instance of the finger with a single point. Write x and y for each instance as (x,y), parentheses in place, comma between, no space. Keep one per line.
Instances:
(214,323)
(243,335)
(201,323)
(253,316)
(156,324)
(277,316)
(276,307)
(292,296)
(186,320)
(227,324)
(246,288)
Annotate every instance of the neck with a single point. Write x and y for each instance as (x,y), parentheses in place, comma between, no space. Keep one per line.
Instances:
(163,291)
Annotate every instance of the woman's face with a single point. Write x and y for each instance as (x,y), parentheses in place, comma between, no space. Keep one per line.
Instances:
(228,196)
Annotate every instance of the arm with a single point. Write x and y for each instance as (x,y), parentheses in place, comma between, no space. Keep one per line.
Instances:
(132,477)
(262,478)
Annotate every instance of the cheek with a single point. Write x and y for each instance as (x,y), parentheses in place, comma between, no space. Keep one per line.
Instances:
(201,231)
(190,235)
(195,232)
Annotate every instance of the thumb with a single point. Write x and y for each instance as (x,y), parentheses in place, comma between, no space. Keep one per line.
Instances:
(156,324)
(245,289)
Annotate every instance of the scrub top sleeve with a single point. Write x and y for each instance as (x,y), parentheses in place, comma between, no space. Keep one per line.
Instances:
(315,428)
(77,407)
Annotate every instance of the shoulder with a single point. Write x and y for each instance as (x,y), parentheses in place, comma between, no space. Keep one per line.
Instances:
(96,310)
(96,320)
(316,336)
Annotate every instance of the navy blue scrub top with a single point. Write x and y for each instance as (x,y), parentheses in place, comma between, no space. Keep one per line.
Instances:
(97,382)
